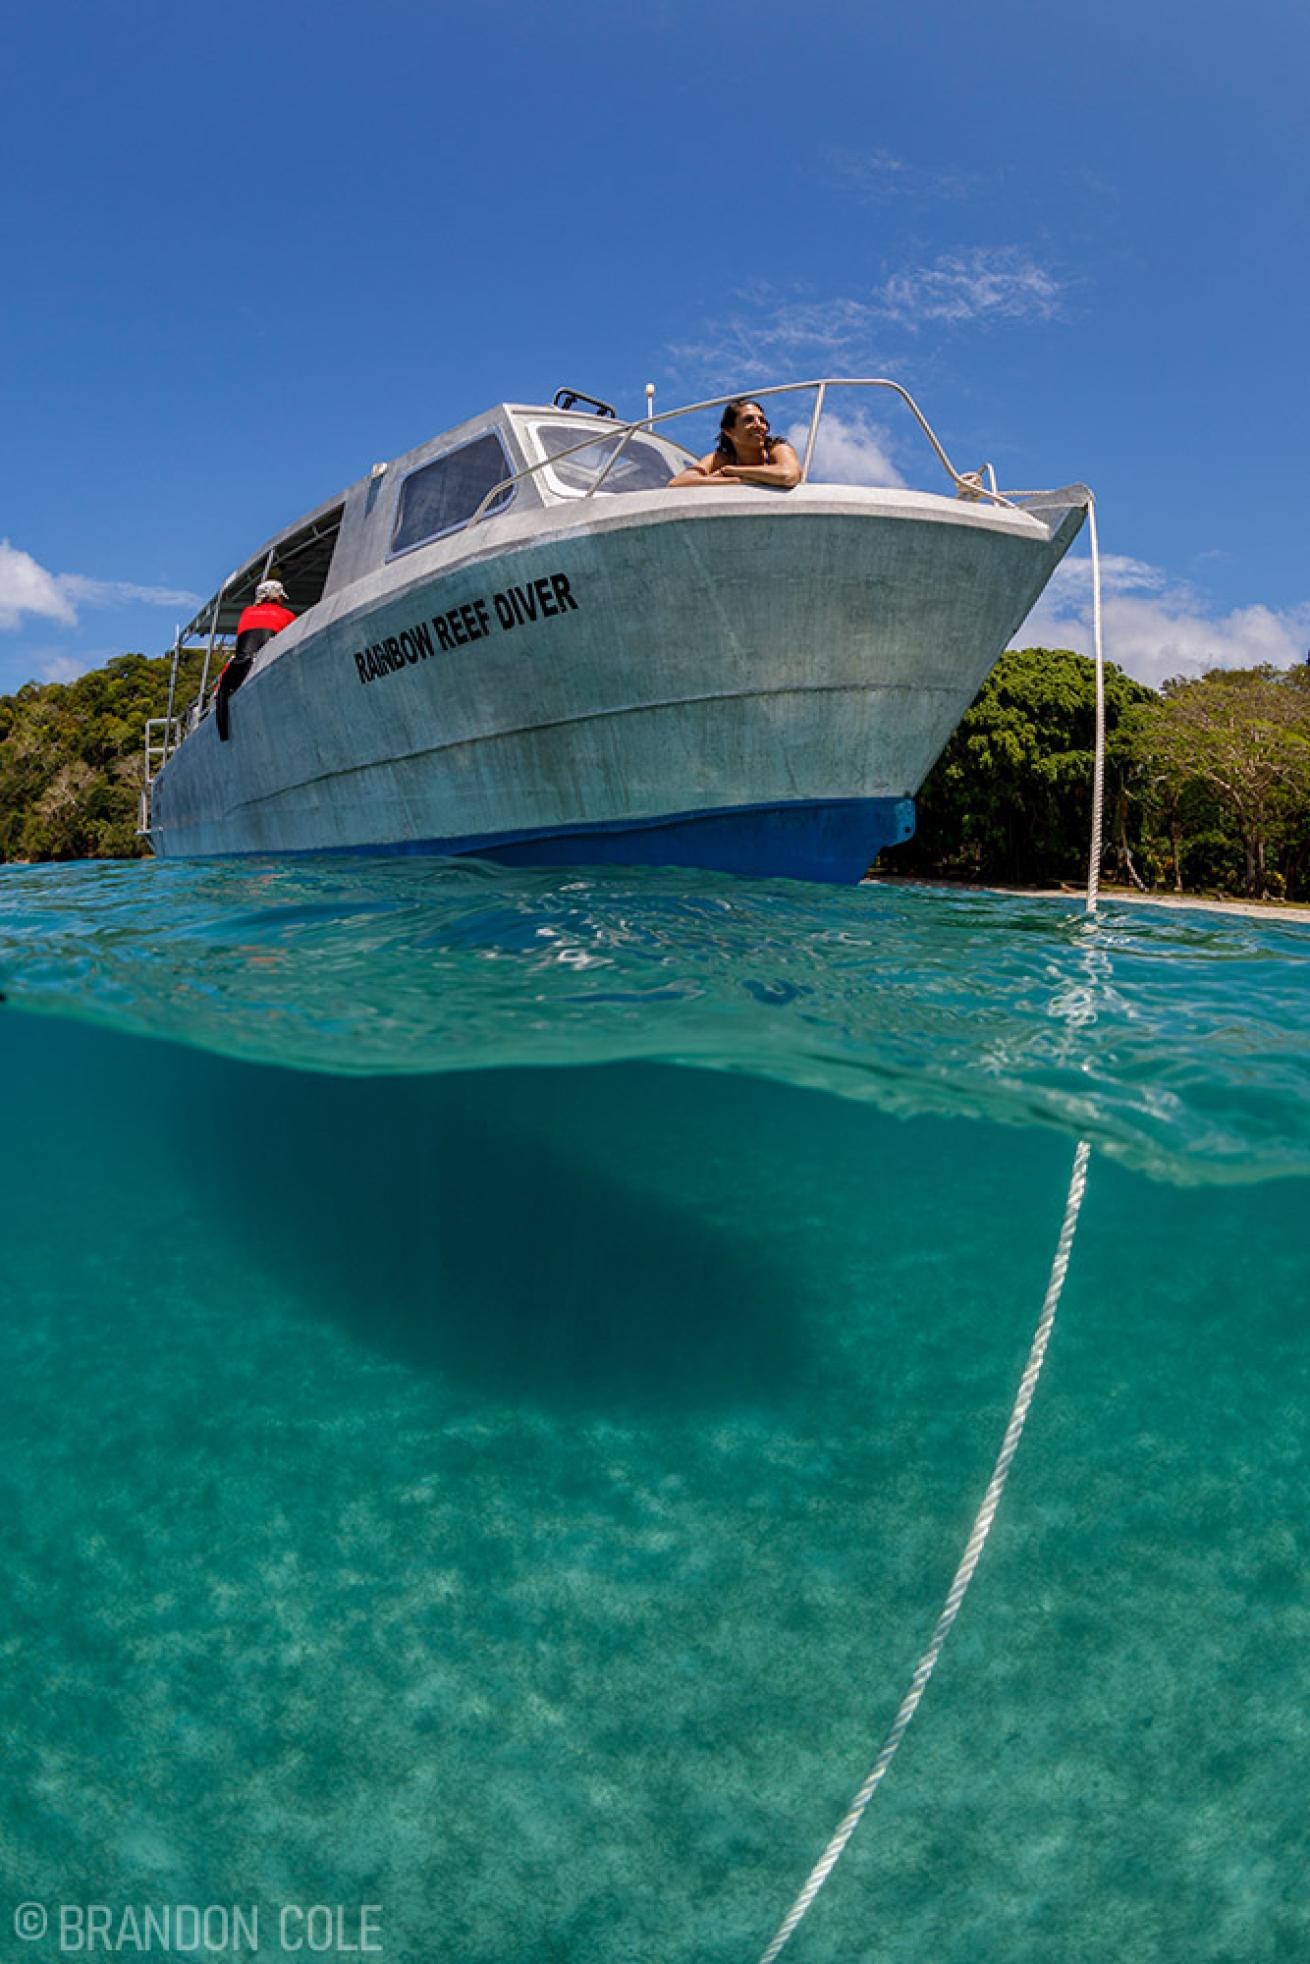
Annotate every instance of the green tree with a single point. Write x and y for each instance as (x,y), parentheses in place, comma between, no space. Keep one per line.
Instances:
(1010,797)
(1241,736)
(71,758)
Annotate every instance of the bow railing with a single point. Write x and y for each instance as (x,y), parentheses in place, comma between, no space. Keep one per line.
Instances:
(973,485)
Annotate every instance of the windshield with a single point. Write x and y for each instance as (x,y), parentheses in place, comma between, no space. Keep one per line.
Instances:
(644,466)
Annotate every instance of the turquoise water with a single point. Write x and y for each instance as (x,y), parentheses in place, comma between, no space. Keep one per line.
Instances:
(493,1402)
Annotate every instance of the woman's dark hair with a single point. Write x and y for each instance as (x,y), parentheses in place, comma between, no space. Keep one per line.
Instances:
(728,422)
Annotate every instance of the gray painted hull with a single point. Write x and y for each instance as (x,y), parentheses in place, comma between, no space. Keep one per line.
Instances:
(698,652)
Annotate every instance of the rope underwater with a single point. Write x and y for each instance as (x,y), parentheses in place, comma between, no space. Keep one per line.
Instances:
(1032,1369)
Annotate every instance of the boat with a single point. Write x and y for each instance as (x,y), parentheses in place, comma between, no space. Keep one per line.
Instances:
(517,641)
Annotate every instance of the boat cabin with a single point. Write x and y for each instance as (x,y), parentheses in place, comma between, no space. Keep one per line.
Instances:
(517,455)
(440,488)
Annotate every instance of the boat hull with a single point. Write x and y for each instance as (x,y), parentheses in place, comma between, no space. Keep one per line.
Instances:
(833,842)
(760,687)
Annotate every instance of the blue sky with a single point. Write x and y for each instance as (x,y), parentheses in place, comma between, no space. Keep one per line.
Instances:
(248,250)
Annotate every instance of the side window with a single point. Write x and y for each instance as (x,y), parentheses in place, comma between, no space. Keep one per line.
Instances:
(443,495)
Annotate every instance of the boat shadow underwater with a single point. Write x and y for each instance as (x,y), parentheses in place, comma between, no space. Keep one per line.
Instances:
(454,1224)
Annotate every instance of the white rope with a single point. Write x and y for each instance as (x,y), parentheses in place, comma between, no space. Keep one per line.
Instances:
(1032,1369)
(1098,761)
(964,1573)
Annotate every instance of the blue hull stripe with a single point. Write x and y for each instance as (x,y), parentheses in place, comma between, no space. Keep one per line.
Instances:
(834,840)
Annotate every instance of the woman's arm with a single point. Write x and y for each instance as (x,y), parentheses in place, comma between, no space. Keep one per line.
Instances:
(784,472)
(708,471)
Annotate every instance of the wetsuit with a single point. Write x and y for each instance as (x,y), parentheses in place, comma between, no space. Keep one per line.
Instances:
(257,625)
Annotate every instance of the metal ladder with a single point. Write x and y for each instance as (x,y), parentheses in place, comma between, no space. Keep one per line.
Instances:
(163,735)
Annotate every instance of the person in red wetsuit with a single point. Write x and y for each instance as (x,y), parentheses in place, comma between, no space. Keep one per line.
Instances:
(258,624)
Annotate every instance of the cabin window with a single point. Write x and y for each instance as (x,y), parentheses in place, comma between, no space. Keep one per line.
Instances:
(644,466)
(443,495)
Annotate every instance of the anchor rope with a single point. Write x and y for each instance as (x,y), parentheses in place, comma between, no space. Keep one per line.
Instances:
(1098,757)
(1032,1370)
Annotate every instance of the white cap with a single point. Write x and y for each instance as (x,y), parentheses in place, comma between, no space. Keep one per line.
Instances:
(270,590)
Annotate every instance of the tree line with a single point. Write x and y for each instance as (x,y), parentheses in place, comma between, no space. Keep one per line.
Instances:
(71,758)
(1207,780)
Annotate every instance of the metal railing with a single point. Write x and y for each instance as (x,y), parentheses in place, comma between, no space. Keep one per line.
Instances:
(163,735)
(973,485)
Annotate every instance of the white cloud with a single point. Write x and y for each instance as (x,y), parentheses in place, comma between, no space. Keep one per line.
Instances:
(826,324)
(1155,627)
(814,335)
(27,588)
(850,450)
(49,662)
(986,284)
(849,332)
(882,177)
(121,593)
(54,666)
(1071,584)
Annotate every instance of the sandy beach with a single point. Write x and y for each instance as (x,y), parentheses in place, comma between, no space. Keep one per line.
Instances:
(1260,909)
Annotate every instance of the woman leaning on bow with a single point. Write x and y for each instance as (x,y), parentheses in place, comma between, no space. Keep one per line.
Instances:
(745,453)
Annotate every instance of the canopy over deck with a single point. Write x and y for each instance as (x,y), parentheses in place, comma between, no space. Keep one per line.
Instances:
(299,558)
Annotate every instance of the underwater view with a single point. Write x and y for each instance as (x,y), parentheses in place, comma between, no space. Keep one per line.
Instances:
(498,1369)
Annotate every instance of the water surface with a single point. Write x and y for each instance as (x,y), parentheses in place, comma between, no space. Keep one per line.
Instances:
(495,1397)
